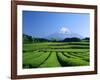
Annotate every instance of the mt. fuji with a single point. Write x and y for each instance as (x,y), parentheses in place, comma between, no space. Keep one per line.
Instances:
(62,34)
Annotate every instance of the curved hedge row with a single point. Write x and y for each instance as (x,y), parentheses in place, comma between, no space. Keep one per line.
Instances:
(84,56)
(35,62)
(30,55)
(72,61)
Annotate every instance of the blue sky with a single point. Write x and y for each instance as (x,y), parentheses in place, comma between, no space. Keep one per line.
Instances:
(42,24)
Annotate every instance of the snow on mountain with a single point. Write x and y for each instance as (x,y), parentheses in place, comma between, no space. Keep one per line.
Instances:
(63,35)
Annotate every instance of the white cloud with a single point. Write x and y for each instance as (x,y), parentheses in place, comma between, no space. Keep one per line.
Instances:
(64,30)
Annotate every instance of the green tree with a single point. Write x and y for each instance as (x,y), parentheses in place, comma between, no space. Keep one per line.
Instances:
(87,39)
(74,39)
(27,39)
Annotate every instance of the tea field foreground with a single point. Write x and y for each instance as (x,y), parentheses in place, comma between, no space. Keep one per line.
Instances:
(55,54)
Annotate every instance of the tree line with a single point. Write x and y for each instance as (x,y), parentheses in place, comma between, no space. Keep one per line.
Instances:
(30,39)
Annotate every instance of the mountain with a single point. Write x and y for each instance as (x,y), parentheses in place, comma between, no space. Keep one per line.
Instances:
(62,36)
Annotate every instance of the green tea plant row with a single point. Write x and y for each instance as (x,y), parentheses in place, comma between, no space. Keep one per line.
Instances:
(69,60)
(76,46)
(55,54)
(35,59)
(52,59)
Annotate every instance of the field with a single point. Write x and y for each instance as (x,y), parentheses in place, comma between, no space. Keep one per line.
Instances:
(55,54)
